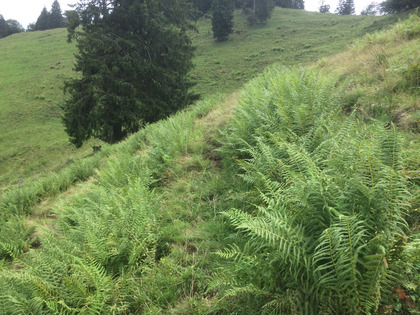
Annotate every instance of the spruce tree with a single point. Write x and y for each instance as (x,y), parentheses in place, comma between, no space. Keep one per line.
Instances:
(4,28)
(134,58)
(43,21)
(222,20)
(56,17)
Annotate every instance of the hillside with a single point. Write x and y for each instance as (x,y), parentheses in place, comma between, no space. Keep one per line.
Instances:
(293,195)
(35,65)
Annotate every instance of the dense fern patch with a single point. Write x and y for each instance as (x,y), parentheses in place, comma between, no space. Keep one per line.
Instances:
(330,199)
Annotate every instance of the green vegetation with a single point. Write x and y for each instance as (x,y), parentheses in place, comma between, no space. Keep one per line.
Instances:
(329,199)
(395,6)
(295,196)
(35,65)
(9,27)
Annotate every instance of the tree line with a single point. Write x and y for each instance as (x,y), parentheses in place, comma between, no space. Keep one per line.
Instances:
(49,20)
(9,27)
(46,20)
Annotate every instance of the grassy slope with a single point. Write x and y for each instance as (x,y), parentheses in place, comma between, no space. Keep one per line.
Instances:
(33,69)
(35,65)
(290,37)
(195,189)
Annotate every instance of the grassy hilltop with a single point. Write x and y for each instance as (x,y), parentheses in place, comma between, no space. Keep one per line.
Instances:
(33,67)
(297,194)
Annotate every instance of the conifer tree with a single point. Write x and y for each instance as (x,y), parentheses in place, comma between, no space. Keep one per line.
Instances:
(222,20)
(4,28)
(56,17)
(134,58)
(345,7)
(43,21)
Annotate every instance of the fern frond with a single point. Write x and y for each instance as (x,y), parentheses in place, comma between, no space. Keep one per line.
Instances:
(338,258)
(390,147)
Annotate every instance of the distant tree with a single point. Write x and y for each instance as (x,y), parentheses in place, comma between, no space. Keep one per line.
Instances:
(43,21)
(56,18)
(49,20)
(262,9)
(396,6)
(291,4)
(345,7)
(31,27)
(372,9)
(4,27)
(222,19)
(134,58)
(324,8)
(14,27)
(9,27)
(257,10)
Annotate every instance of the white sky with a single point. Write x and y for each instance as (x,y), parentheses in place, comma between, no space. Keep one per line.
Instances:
(27,11)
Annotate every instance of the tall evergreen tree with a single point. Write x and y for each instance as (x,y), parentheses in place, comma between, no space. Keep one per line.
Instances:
(56,17)
(345,7)
(134,58)
(222,20)
(4,28)
(43,21)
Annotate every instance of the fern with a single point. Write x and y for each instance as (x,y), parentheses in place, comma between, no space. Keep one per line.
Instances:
(331,199)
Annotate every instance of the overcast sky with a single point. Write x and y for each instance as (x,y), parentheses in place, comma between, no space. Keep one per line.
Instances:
(27,11)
